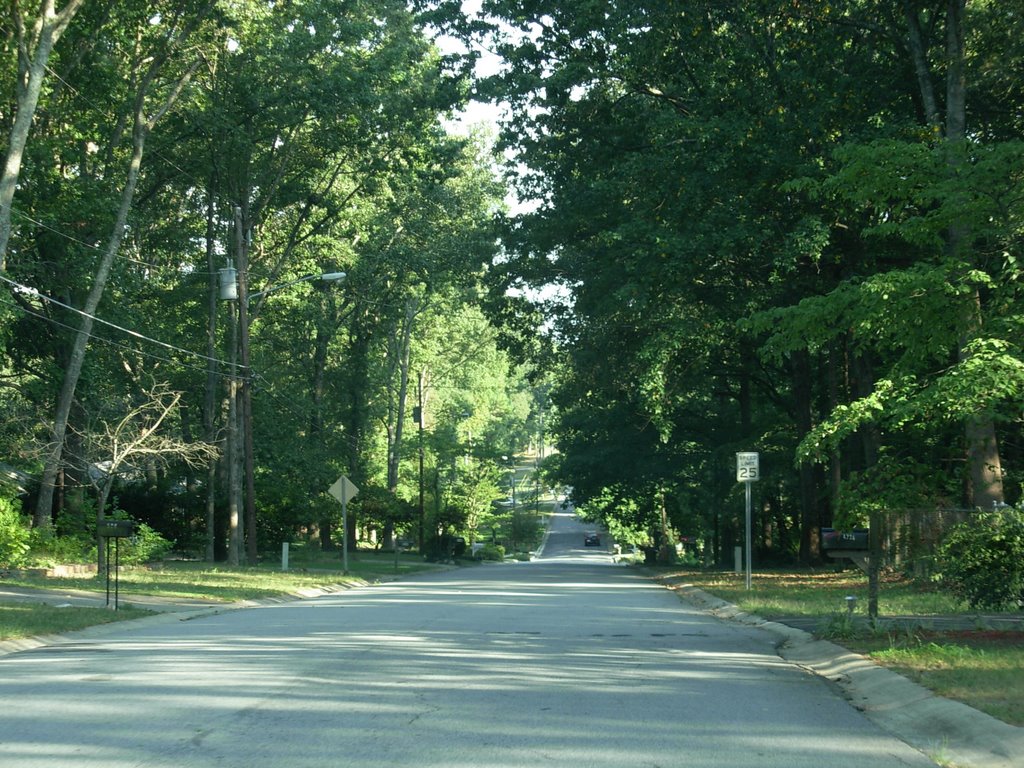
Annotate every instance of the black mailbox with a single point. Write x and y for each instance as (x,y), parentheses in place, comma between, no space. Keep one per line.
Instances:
(855,539)
(116,529)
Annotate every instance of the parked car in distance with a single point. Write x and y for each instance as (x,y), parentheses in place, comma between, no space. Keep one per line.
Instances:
(592,540)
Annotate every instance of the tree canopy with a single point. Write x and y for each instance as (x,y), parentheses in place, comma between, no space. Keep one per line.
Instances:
(781,226)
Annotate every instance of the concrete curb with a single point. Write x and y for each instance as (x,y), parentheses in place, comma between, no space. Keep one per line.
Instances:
(945,730)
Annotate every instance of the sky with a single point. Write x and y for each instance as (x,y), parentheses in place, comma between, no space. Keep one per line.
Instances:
(489,63)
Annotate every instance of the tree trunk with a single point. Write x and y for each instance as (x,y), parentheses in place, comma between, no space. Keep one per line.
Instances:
(837,383)
(32,68)
(810,525)
(870,441)
(141,126)
(983,461)
(403,355)
(919,57)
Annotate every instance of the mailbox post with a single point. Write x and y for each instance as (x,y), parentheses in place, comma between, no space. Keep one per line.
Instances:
(114,530)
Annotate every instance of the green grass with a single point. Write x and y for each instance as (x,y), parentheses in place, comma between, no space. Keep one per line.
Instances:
(817,594)
(218,582)
(21,620)
(979,667)
(982,669)
(201,581)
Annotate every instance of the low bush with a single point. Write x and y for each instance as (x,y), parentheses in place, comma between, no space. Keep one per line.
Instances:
(14,534)
(982,560)
(146,546)
(494,552)
(48,549)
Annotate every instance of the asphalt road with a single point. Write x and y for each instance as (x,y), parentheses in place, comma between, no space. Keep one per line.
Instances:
(566,661)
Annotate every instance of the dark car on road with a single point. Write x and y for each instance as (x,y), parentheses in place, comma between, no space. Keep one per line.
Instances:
(592,540)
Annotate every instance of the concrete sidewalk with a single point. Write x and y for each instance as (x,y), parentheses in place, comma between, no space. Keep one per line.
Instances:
(949,732)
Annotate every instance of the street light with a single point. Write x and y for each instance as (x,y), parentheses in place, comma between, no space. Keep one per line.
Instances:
(325,277)
(229,290)
(229,283)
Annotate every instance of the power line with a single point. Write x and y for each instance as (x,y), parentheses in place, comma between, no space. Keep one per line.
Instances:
(28,290)
(110,342)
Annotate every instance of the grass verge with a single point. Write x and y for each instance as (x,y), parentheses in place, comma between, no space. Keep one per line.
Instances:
(198,581)
(973,664)
(21,620)
(981,668)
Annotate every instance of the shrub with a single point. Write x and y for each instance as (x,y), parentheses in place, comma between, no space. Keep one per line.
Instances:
(49,549)
(839,625)
(146,546)
(983,559)
(491,552)
(14,534)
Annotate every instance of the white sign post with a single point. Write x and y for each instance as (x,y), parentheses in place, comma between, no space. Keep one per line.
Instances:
(343,490)
(747,471)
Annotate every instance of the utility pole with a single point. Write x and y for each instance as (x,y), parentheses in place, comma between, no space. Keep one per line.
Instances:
(233,458)
(243,235)
(419,419)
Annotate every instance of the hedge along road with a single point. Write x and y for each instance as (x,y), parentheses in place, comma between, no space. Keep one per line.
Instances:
(566,661)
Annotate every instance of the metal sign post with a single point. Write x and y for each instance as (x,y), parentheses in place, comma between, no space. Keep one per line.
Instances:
(747,471)
(343,490)
(109,529)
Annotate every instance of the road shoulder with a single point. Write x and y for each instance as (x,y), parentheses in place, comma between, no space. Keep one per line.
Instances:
(946,730)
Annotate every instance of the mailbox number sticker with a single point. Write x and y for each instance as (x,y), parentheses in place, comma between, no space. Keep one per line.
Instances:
(746,467)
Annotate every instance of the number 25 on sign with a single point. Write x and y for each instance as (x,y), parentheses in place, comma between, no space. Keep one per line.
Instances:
(747,467)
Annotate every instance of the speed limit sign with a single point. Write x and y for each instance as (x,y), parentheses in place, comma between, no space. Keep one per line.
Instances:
(747,467)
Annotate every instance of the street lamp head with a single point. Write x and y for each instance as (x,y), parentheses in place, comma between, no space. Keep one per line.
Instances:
(332,277)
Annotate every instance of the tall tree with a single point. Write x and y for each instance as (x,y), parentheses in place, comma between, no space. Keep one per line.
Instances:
(36,38)
(148,64)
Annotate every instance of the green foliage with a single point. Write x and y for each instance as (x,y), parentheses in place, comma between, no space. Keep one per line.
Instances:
(893,483)
(48,548)
(380,507)
(14,533)
(625,533)
(146,546)
(838,625)
(524,529)
(492,552)
(983,559)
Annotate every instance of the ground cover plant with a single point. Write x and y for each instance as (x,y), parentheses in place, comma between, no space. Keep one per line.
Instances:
(976,664)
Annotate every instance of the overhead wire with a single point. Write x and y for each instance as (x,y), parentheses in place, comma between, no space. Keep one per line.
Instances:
(112,343)
(30,291)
